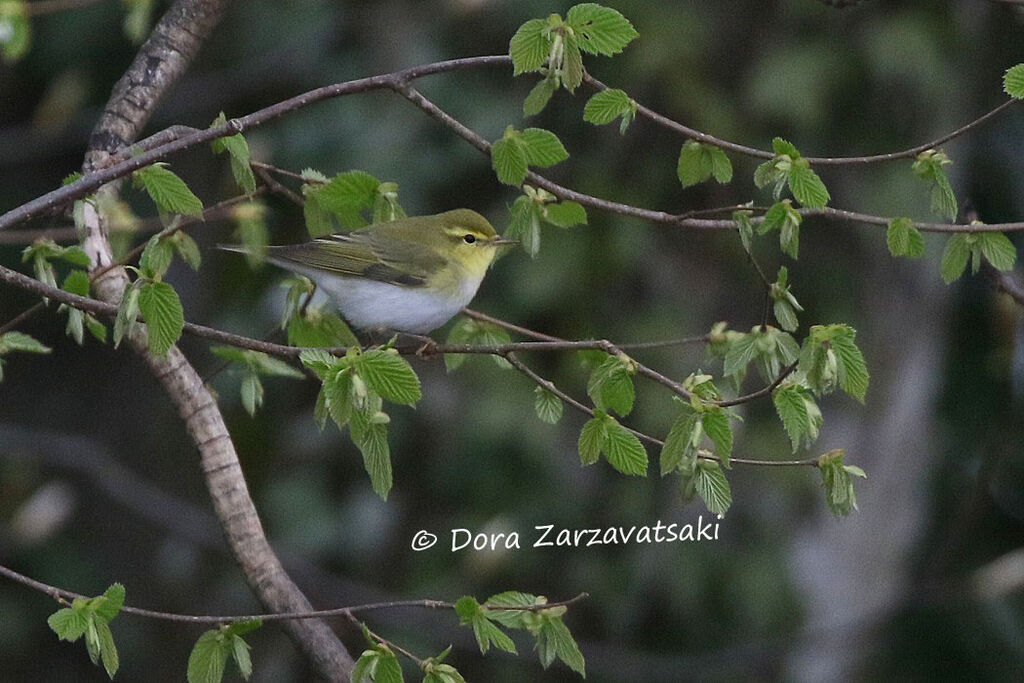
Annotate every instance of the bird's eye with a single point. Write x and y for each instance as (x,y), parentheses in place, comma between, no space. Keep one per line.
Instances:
(469,239)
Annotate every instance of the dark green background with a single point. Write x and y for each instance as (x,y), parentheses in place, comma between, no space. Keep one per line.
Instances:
(788,592)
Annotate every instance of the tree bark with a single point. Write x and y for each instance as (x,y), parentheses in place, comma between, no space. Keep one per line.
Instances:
(161,60)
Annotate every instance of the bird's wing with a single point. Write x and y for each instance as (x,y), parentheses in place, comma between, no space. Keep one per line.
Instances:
(361,254)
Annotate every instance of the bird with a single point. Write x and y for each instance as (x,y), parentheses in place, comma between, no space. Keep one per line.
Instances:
(409,275)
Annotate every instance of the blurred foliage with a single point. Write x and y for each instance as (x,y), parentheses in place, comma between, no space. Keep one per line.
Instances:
(872,78)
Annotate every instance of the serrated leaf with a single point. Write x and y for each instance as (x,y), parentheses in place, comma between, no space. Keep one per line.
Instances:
(592,438)
(565,214)
(168,191)
(679,451)
(208,658)
(780,147)
(348,194)
(806,186)
(542,147)
(469,331)
(487,634)
(1013,81)
(693,165)
(69,624)
(555,640)
(539,96)
(108,651)
(21,342)
(372,440)
(930,167)
(611,386)
(721,166)
(252,393)
(600,30)
(110,606)
(512,618)
(319,329)
(997,249)
(624,451)
(955,257)
(529,47)
(156,257)
(713,487)
(741,350)
(791,404)
(240,653)
(716,426)
(853,371)
(606,106)
(162,311)
(127,311)
(572,64)
(388,669)
(508,159)
(839,491)
(389,375)
(238,151)
(187,249)
(549,407)
(903,239)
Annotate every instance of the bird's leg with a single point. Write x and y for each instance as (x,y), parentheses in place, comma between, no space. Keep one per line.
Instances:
(427,345)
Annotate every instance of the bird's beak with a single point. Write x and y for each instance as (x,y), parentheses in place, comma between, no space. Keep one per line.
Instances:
(502,240)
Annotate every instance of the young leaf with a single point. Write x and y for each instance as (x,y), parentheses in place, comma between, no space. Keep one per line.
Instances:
(539,96)
(548,406)
(592,438)
(839,491)
(19,341)
(611,385)
(716,425)
(1013,81)
(469,331)
(955,256)
(565,214)
(997,249)
(554,640)
(713,487)
(162,311)
(529,46)
(607,105)
(624,451)
(168,191)
(371,437)
(600,30)
(930,167)
(679,451)
(238,151)
(799,414)
(156,257)
(508,159)
(542,147)
(806,186)
(904,239)
(699,162)
(389,375)
(127,312)
(208,659)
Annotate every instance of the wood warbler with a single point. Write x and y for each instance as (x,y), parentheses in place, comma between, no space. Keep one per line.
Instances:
(408,275)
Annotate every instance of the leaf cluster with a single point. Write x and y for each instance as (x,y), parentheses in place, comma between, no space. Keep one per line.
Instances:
(91,617)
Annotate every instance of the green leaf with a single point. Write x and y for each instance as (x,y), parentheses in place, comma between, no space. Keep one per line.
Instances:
(1013,81)
(806,186)
(240,653)
(127,312)
(156,257)
(529,46)
(69,624)
(592,439)
(21,342)
(929,166)
(524,224)
(187,249)
(611,386)
(512,618)
(565,214)
(713,487)
(389,375)
(238,151)
(539,96)
(371,437)
(853,371)
(997,249)
(716,425)
(162,311)
(904,239)
(679,451)
(508,159)
(699,162)
(744,227)
(799,414)
(208,659)
(168,191)
(110,603)
(251,229)
(388,669)
(252,393)
(15,30)
(780,147)
(108,651)
(624,451)
(600,30)
(548,406)
(572,64)
(835,476)
(542,147)
(955,256)
(606,106)
(319,329)
(555,640)
(469,331)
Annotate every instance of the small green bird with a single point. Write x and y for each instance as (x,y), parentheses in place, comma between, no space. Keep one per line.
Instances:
(408,275)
